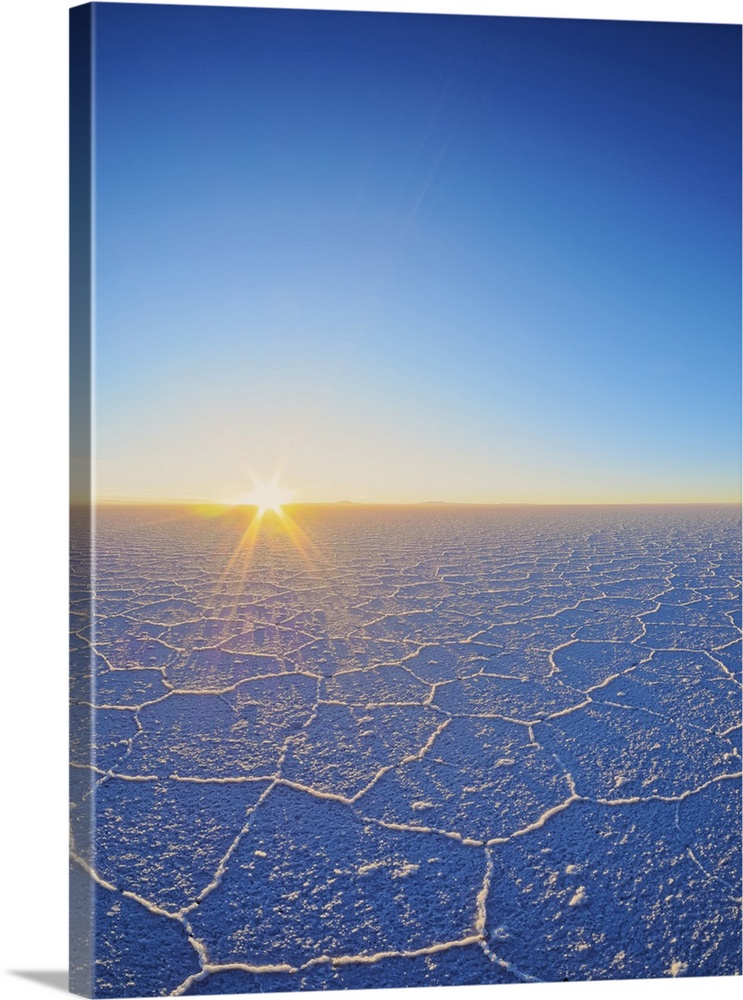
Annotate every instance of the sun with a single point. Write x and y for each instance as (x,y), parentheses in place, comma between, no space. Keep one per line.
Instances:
(268,497)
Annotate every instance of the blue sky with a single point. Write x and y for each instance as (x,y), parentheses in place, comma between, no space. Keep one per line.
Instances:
(416,257)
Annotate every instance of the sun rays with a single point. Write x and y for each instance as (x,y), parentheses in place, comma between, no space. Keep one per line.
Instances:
(270,518)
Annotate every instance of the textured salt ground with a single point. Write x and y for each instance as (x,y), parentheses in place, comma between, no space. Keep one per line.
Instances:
(618,896)
(306,865)
(444,746)
(169,842)
(485,779)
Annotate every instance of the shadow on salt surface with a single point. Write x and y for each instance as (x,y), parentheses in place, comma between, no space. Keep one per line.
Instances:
(606,892)
(309,878)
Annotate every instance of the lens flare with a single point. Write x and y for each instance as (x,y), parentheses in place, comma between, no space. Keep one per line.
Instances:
(268,496)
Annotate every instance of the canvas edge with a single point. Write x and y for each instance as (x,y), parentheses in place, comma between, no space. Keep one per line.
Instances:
(81,885)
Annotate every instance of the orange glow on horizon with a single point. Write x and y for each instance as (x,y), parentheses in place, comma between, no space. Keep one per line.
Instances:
(268,499)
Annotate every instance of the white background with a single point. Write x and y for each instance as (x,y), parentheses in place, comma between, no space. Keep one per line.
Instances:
(33,473)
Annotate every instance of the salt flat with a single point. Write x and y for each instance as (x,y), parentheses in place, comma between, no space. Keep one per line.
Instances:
(427,745)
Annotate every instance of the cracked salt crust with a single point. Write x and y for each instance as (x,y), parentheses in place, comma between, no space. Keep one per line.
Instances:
(276,747)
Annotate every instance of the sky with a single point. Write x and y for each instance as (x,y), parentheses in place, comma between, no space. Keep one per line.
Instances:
(401,258)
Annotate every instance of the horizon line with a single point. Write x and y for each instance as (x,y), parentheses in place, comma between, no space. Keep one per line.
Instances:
(228,505)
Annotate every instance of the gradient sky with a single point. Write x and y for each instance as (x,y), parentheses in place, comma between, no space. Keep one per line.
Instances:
(415,257)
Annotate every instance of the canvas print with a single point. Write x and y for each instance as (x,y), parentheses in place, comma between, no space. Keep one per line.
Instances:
(405,508)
